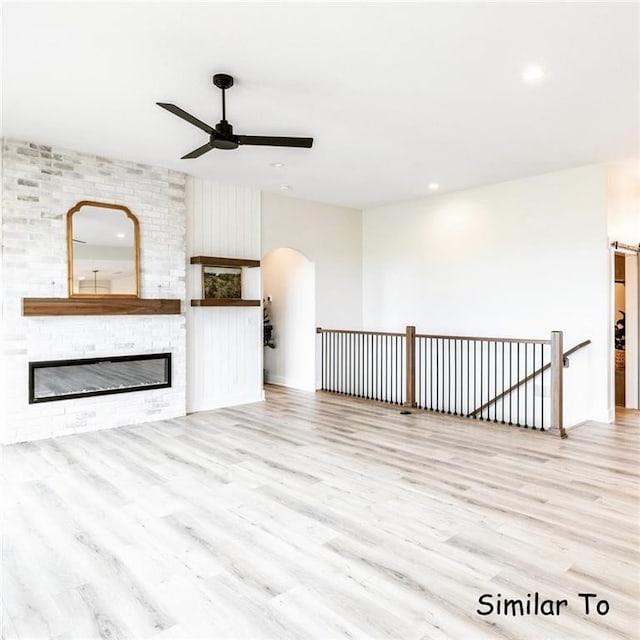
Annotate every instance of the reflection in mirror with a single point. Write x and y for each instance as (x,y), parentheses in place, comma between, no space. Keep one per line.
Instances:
(103,250)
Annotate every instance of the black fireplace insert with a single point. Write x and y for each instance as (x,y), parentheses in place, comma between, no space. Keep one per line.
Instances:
(65,379)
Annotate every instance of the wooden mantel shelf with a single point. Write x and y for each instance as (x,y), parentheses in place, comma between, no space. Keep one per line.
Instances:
(99,306)
(211,261)
(224,302)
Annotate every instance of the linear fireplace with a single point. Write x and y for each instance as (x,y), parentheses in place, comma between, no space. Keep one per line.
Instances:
(65,379)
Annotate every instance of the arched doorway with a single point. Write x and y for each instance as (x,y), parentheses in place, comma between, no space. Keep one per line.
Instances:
(288,285)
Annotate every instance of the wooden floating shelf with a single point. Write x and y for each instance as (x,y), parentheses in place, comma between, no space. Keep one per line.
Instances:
(224,262)
(99,306)
(224,302)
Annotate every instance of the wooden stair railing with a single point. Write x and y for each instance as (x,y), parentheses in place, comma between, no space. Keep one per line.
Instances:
(526,379)
(443,373)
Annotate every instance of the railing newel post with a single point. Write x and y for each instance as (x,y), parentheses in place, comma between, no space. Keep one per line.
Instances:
(410,363)
(557,366)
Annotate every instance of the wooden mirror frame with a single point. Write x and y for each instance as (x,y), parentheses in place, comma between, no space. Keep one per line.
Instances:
(136,241)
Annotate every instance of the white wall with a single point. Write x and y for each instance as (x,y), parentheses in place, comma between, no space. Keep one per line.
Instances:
(516,259)
(331,238)
(224,344)
(623,193)
(39,185)
(288,278)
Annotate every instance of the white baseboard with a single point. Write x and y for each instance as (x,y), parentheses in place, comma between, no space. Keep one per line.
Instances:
(291,383)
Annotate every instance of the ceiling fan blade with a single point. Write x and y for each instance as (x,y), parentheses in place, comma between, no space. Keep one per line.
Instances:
(196,153)
(270,141)
(181,113)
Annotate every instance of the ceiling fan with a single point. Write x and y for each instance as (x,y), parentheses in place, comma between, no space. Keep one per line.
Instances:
(221,136)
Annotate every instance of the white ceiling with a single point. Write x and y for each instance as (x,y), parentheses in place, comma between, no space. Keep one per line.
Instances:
(396,95)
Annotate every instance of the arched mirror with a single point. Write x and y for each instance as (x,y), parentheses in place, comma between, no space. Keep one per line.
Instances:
(103,250)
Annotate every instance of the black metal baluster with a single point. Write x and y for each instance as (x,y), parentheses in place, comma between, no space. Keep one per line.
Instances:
(332,361)
(487,358)
(448,368)
(396,370)
(363,363)
(403,368)
(354,389)
(345,360)
(455,377)
(342,360)
(356,365)
(385,368)
(374,346)
(510,382)
(344,363)
(495,380)
(440,374)
(526,373)
(394,377)
(336,360)
(482,379)
(488,409)
(431,380)
(517,399)
(418,375)
(454,387)
(533,386)
(475,374)
(501,385)
(374,364)
(329,361)
(424,374)
(468,379)
(367,367)
(336,355)
(378,369)
(348,364)
(363,359)
(542,387)
(322,361)
(339,361)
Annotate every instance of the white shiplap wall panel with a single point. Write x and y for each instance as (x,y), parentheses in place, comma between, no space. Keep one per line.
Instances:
(224,345)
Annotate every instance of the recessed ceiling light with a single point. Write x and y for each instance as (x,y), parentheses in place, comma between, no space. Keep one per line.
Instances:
(277,165)
(434,186)
(533,74)
(285,187)
(119,235)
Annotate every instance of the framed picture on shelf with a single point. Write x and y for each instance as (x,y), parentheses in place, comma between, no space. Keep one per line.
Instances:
(221,282)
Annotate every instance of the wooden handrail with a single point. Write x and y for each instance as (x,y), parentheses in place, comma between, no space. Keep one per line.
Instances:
(356,332)
(526,379)
(483,339)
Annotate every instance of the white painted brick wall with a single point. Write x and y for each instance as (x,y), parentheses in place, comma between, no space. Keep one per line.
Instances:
(39,185)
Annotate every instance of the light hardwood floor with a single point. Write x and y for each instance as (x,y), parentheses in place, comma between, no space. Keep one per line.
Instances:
(313,516)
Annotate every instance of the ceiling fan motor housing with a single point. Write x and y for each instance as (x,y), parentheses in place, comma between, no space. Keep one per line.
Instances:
(224,138)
